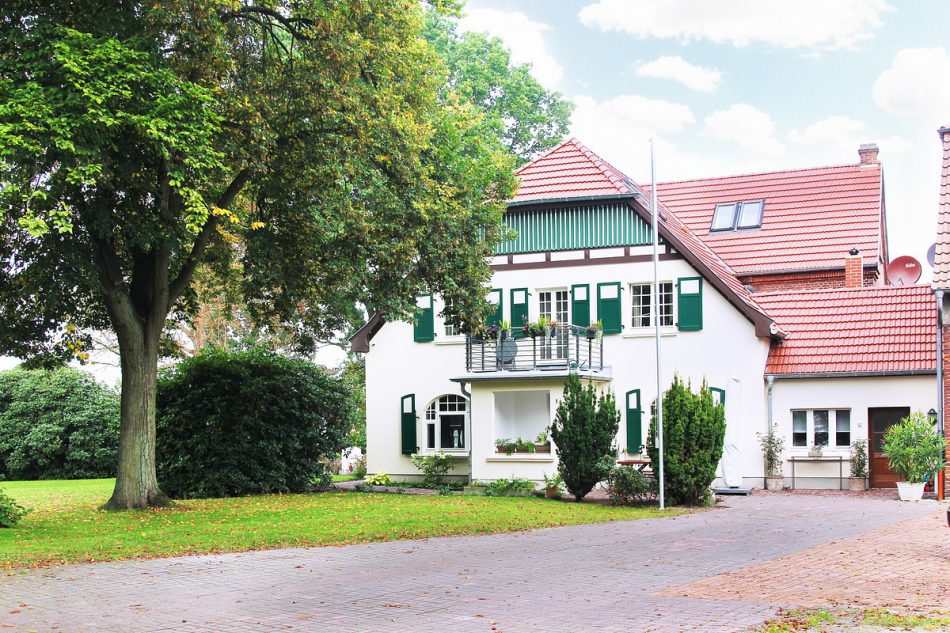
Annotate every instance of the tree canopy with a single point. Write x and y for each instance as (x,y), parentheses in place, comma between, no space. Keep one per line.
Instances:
(139,140)
(526,116)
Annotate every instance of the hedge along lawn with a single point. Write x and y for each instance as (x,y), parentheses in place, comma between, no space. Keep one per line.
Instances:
(66,524)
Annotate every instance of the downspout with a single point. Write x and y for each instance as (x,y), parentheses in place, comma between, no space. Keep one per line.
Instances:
(468,396)
(939,479)
(770,379)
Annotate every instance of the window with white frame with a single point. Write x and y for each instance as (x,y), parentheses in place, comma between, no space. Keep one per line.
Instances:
(821,427)
(445,423)
(641,305)
(452,330)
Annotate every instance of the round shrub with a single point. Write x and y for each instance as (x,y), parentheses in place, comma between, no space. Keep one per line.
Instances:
(56,424)
(626,486)
(248,422)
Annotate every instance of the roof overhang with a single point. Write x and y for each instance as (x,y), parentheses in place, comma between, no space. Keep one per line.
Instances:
(569,200)
(359,342)
(853,374)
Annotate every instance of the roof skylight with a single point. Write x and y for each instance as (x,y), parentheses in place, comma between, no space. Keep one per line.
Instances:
(738,215)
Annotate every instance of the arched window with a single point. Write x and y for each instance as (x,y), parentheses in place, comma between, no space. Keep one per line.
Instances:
(445,422)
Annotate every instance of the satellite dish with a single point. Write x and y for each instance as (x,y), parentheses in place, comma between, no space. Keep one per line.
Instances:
(903,271)
(932,254)
(506,351)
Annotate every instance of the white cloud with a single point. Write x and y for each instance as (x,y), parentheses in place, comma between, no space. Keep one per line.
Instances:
(678,69)
(916,85)
(839,132)
(808,24)
(522,36)
(747,126)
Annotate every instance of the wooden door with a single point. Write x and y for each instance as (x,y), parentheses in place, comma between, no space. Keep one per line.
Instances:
(879,420)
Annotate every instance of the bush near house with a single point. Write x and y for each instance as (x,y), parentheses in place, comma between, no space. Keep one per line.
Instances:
(626,486)
(694,428)
(583,432)
(56,424)
(248,422)
(914,448)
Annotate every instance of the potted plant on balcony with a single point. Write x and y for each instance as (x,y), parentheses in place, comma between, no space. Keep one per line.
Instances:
(505,330)
(773,444)
(492,332)
(858,482)
(915,452)
(595,330)
(478,334)
(551,328)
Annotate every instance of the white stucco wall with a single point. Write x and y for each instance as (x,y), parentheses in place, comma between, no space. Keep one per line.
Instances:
(857,394)
(725,352)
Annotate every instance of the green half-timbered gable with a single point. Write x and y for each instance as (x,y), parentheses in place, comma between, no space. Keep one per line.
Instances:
(594,226)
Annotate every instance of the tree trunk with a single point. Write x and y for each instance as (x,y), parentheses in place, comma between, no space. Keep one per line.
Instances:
(136,483)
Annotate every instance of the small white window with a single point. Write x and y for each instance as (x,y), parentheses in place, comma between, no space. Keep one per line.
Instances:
(750,215)
(821,427)
(452,330)
(445,423)
(724,219)
(641,297)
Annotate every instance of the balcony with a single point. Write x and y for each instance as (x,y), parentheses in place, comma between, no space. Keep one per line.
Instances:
(570,349)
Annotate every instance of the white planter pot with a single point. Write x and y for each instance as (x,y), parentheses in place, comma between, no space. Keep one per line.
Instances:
(909,491)
(774,482)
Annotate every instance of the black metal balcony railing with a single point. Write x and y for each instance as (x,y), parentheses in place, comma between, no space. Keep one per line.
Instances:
(569,347)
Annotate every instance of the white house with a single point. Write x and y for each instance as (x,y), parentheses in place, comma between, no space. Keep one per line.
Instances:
(759,297)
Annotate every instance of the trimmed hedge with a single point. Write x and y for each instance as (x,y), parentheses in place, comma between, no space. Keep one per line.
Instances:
(249,422)
(56,424)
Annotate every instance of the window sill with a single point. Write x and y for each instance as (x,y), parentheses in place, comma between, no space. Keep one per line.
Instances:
(522,457)
(450,340)
(459,453)
(649,332)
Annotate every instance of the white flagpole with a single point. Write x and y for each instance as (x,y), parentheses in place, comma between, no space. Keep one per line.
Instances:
(655,312)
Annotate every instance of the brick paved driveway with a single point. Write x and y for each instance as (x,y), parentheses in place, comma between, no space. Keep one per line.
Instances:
(607,577)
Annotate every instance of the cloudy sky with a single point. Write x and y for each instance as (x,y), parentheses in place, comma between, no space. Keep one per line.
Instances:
(739,86)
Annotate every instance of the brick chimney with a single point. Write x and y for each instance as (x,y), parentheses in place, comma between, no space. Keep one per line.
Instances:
(853,269)
(868,154)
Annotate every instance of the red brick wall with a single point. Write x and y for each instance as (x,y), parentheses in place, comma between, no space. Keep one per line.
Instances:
(805,281)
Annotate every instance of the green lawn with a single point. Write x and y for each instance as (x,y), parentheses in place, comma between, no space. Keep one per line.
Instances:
(66,524)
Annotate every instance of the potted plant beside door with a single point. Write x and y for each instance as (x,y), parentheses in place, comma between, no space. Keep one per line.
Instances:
(773,445)
(858,482)
(915,452)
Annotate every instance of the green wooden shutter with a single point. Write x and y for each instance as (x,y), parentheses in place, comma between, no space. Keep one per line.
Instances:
(407,411)
(690,300)
(634,421)
(519,311)
(608,306)
(423,322)
(719,395)
(496,316)
(580,305)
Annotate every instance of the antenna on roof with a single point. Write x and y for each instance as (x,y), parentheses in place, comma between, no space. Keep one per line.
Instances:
(903,271)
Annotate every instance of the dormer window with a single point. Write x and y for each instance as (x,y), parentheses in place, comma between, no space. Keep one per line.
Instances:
(738,215)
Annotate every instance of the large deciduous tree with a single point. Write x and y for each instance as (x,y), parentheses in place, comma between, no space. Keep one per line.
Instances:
(140,140)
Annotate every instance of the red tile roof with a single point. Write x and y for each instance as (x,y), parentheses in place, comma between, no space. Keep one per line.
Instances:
(812,217)
(941,278)
(882,329)
(569,170)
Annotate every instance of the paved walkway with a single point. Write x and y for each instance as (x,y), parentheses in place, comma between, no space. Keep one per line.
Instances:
(607,577)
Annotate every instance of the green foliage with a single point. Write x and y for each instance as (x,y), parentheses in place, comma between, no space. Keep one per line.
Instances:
(56,424)
(773,444)
(308,139)
(528,118)
(10,511)
(353,375)
(509,446)
(914,449)
(516,486)
(379,479)
(359,471)
(583,432)
(434,468)
(859,459)
(694,428)
(626,485)
(245,423)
